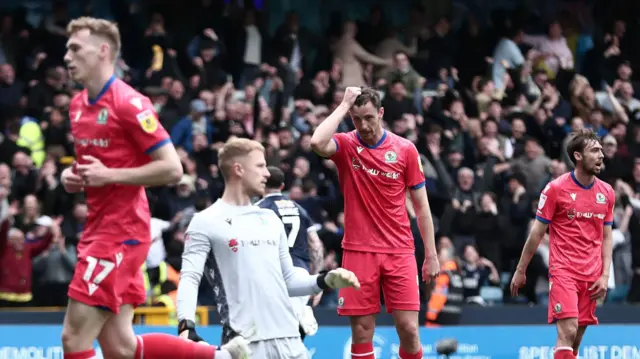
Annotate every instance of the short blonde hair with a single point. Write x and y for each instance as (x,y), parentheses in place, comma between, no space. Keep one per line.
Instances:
(98,27)
(234,148)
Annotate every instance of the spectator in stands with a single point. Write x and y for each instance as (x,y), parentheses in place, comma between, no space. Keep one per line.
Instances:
(476,273)
(53,270)
(195,123)
(507,55)
(555,53)
(353,58)
(19,247)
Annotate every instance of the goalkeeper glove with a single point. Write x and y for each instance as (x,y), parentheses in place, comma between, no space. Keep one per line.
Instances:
(187,330)
(338,278)
(308,321)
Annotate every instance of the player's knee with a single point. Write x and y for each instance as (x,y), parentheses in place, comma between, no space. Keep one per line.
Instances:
(567,331)
(117,339)
(362,329)
(75,340)
(119,351)
(407,330)
(68,340)
(118,347)
(76,336)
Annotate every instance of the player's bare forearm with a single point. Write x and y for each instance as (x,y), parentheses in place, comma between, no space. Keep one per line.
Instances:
(321,140)
(425,220)
(164,168)
(607,250)
(531,245)
(316,252)
(409,205)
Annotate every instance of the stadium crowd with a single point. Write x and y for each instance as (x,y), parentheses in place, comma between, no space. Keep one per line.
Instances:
(488,107)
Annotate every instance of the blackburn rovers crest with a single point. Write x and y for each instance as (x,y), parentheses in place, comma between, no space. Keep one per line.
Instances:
(390,157)
(103,116)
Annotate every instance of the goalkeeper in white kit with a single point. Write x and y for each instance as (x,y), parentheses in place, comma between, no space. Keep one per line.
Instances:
(243,252)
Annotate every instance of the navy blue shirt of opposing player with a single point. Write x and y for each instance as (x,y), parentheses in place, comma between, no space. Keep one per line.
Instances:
(305,246)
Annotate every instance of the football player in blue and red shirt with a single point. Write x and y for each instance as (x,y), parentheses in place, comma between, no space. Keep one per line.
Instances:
(121,148)
(577,208)
(377,171)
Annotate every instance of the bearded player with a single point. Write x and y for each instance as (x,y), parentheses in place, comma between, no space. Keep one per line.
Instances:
(376,168)
(577,208)
(121,148)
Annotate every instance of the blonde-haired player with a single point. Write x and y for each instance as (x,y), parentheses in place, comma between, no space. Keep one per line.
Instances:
(121,148)
(245,251)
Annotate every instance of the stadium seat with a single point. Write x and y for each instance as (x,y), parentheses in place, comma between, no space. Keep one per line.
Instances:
(491,295)
(618,294)
(505,278)
(543,298)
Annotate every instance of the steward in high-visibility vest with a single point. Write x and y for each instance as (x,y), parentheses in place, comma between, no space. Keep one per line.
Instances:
(161,285)
(161,280)
(30,136)
(445,304)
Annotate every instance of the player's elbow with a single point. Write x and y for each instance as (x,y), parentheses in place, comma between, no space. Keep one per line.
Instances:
(317,144)
(175,173)
(322,149)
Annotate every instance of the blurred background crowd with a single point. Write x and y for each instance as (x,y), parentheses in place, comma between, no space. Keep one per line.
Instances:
(488,97)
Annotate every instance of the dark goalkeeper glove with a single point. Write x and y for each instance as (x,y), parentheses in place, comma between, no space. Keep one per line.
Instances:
(187,330)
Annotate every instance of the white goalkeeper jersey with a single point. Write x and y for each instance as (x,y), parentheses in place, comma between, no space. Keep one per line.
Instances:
(243,252)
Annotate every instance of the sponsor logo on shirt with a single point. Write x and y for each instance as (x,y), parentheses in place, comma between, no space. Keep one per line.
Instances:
(98,142)
(572,213)
(589,215)
(233,245)
(357,165)
(260,242)
(148,121)
(573,196)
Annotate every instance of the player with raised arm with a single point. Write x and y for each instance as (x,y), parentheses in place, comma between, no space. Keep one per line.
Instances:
(243,252)
(121,148)
(577,208)
(305,246)
(376,168)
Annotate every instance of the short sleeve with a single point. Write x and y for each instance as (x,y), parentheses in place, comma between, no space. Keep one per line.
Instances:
(307,222)
(608,219)
(546,204)
(414,173)
(139,119)
(341,140)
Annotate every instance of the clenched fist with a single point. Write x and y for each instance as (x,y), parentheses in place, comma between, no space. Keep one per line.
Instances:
(350,95)
(71,181)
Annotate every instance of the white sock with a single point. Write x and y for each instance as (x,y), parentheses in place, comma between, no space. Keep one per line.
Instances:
(222,354)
